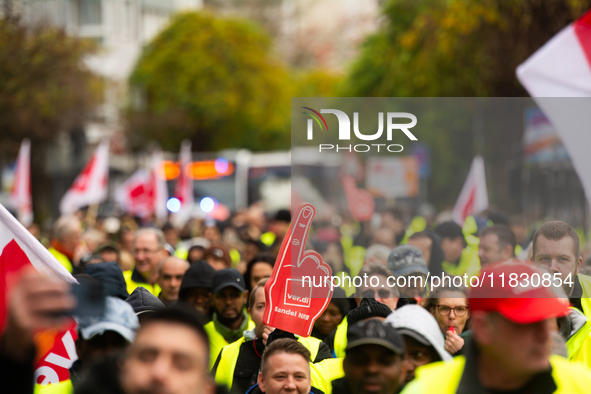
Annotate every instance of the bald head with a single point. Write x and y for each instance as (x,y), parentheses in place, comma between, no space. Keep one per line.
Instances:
(171,271)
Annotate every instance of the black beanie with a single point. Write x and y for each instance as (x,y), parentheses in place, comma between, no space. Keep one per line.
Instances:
(339,298)
(368,307)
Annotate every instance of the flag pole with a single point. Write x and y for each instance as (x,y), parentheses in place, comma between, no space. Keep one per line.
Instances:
(91,215)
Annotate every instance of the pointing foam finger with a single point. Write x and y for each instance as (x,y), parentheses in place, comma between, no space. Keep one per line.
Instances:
(299,231)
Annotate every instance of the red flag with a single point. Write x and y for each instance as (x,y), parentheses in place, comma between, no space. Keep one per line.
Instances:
(20,195)
(18,250)
(184,185)
(360,202)
(134,196)
(473,198)
(90,187)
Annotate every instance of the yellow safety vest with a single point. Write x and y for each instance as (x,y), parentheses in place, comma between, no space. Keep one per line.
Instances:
(340,339)
(131,285)
(417,224)
(585,281)
(356,259)
(268,238)
(469,263)
(444,378)
(61,258)
(64,387)
(224,374)
(324,372)
(579,345)
(217,341)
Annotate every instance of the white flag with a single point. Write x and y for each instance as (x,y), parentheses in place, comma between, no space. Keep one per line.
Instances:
(20,196)
(159,188)
(184,185)
(90,187)
(558,77)
(473,198)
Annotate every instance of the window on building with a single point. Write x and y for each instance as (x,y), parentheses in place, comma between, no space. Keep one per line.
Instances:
(90,12)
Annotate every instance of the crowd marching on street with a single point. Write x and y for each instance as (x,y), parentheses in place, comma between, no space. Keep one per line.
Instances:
(184,309)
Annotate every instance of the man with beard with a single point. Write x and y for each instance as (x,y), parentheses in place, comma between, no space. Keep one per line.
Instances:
(373,360)
(230,319)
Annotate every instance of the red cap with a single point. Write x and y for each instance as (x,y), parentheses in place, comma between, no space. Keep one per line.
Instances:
(527,301)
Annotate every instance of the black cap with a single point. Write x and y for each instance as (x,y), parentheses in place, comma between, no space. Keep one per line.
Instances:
(199,275)
(283,215)
(374,332)
(450,230)
(228,277)
(368,307)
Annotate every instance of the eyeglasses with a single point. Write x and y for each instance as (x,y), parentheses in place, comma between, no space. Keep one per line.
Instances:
(445,310)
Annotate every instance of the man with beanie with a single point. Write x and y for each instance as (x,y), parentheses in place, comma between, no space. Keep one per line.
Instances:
(334,314)
(196,287)
(422,339)
(230,319)
(510,348)
(408,265)
(369,308)
(373,360)
(142,302)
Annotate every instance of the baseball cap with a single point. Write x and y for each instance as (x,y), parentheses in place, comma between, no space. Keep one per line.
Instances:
(228,277)
(405,260)
(119,317)
(525,303)
(374,332)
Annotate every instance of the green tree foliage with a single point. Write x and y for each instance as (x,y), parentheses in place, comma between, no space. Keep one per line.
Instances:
(44,86)
(461,48)
(214,80)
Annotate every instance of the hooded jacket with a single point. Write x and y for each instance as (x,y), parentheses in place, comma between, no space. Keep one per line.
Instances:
(416,319)
(141,300)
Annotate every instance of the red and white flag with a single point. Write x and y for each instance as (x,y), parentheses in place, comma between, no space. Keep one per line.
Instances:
(184,185)
(20,195)
(473,198)
(158,187)
(19,250)
(133,196)
(558,77)
(90,187)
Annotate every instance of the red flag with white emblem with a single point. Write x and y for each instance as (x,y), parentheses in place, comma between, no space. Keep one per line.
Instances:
(133,196)
(19,250)
(20,195)
(90,187)
(473,198)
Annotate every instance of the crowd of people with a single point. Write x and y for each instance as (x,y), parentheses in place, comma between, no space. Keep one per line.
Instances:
(184,309)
